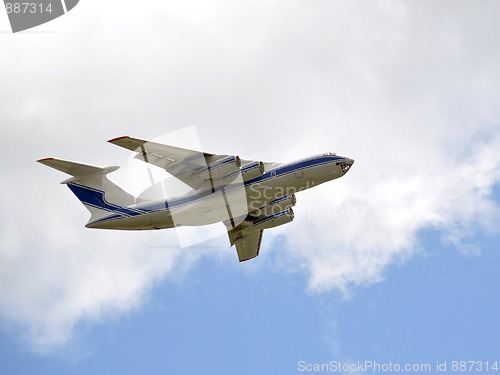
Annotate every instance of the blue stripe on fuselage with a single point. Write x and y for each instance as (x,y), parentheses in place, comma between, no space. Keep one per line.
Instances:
(293,167)
(280,171)
(96,197)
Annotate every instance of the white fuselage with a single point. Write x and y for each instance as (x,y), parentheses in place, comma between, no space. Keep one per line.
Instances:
(230,202)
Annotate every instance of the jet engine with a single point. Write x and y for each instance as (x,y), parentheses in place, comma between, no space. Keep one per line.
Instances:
(252,170)
(220,168)
(248,171)
(274,220)
(275,206)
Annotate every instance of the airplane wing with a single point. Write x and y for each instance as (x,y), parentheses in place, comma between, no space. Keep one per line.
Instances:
(197,169)
(247,235)
(247,240)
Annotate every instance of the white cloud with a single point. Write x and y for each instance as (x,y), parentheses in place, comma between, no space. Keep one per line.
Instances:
(425,153)
(54,273)
(408,90)
(372,223)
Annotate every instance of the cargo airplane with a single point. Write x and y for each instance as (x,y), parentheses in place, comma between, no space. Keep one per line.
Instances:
(247,196)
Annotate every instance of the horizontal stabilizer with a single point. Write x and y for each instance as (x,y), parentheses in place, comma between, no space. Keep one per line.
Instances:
(91,186)
(77,170)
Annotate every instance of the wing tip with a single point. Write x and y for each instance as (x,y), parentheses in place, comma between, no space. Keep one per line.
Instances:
(118,139)
(44,159)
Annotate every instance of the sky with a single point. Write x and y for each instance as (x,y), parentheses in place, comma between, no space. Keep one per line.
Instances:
(395,262)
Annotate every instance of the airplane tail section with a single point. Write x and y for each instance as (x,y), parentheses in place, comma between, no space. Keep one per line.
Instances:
(91,186)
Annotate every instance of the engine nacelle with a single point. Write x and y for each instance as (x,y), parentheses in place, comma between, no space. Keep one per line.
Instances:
(274,220)
(248,172)
(252,170)
(277,205)
(223,167)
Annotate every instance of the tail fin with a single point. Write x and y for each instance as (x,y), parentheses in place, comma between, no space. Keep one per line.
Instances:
(91,186)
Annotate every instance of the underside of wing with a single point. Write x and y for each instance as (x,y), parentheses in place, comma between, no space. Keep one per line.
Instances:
(197,169)
(247,240)
(247,235)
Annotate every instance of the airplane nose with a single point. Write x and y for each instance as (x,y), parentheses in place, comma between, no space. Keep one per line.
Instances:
(346,164)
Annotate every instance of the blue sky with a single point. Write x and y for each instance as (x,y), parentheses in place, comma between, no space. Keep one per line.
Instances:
(396,261)
(441,306)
